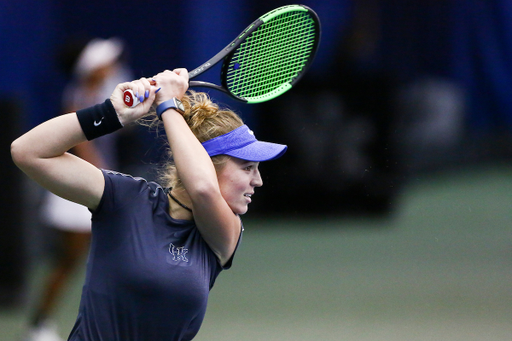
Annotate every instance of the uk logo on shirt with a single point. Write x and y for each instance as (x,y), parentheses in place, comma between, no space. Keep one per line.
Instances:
(178,253)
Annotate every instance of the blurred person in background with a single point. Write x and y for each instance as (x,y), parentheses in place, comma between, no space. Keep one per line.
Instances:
(97,70)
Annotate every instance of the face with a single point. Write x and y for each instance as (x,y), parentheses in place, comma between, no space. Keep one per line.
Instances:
(237,180)
(98,75)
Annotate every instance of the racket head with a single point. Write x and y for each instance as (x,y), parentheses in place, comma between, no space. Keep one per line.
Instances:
(272,54)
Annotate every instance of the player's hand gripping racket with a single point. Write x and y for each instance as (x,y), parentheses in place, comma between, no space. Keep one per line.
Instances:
(267,59)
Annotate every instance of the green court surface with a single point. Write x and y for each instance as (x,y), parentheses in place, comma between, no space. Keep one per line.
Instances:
(437,269)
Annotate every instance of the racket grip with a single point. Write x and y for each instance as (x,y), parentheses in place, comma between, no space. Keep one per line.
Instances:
(130,99)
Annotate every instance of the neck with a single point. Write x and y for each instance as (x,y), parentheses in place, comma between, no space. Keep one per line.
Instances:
(178,206)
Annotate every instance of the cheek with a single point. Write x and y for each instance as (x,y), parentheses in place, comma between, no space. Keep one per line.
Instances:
(225,184)
(231,187)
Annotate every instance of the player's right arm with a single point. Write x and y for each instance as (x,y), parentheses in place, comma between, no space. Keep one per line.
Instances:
(42,154)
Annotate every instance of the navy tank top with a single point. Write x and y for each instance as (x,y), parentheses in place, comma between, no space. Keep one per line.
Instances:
(148,275)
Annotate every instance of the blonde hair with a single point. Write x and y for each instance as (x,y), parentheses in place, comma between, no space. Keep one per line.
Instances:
(206,121)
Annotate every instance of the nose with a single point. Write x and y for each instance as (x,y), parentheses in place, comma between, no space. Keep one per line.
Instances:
(256,180)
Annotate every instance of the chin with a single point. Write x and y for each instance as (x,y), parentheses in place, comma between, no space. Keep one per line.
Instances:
(241,210)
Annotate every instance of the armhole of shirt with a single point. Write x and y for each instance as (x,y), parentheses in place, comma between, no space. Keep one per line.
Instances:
(102,200)
(229,263)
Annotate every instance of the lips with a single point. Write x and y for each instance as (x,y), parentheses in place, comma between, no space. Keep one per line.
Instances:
(248,196)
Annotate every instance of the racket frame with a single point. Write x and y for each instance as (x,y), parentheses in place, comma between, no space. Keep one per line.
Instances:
(219,57)
(226,54)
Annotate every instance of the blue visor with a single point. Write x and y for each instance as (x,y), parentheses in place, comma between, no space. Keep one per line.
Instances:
(241,143)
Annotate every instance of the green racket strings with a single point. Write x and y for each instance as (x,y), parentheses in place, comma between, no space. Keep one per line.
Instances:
(266,63)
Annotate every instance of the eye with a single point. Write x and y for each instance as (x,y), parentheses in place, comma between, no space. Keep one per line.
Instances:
(250,166)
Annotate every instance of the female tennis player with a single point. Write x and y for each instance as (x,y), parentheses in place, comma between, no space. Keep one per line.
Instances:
(156,249)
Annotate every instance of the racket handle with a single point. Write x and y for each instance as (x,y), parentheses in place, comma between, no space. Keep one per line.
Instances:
(130,99)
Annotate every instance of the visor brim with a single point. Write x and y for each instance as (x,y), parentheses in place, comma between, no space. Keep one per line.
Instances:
(259,151)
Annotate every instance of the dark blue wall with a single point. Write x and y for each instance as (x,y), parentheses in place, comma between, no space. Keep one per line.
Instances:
(159,34)
(468,41)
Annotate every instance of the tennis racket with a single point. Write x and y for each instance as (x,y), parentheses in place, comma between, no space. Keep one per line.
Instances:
(267,59)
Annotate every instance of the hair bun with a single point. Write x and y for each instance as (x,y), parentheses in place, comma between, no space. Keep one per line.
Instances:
(198,108)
